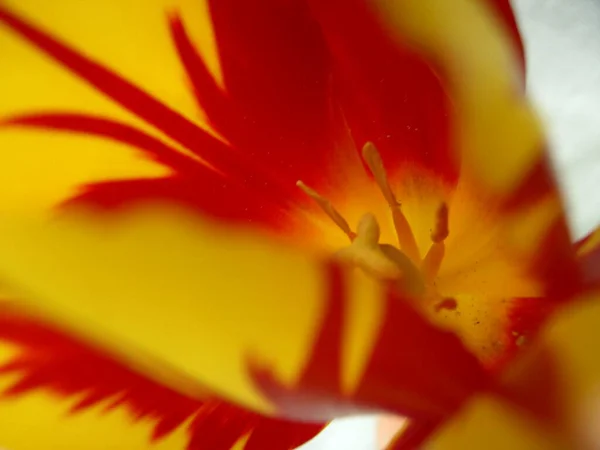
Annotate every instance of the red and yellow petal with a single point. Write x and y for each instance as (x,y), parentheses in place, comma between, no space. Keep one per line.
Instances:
(508,238)
(282,96)
(569,341)
(292,335)
(551,391)
(87,143)
(276,75)
(498,136)
(57,391)
(389,94)
(54,165)
(392,94)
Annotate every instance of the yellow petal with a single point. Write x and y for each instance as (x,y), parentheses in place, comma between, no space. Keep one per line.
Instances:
(176,296)
(488,423)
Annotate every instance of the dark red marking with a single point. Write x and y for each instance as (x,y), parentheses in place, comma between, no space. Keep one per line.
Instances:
(110,129)
(447,303)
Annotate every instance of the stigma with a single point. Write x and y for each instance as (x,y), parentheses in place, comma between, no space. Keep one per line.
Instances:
(401,263)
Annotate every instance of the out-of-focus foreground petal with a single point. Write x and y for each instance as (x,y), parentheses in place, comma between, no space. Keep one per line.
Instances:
(58,392)
(265,325)
(556,384)
(490,424)
(567,350)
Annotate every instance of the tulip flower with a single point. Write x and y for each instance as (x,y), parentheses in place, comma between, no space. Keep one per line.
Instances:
(239,229)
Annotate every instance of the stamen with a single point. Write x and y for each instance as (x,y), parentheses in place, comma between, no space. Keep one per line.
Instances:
(328,208)
(433,260)
(406,239)
(440,229)
(366,253)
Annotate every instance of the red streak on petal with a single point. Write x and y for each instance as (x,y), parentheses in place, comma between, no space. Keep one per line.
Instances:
(277,79)
(53,361)
(555,263)
(110,129)
(211,194)
(142,104)
(390,95)
(221,111)
(195,186)
(415,370)
(120,90)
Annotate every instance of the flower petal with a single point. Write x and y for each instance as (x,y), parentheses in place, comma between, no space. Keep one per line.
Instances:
(498,136)
(31,82)
(72,394)
(139,49)
(276,102)
(489,423)
(573,377)
(411,435)
(391,95)
(550,395)
(150,113)
(588,254)
(241,186)
(292,335)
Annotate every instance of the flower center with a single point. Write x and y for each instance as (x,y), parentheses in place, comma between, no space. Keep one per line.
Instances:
(403,263)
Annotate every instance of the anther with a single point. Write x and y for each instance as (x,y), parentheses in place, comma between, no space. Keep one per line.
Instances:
(328,208)
(433,259)
(406,239)
(440,229)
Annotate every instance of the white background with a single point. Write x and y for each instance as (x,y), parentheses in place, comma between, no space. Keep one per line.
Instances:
(562,39)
